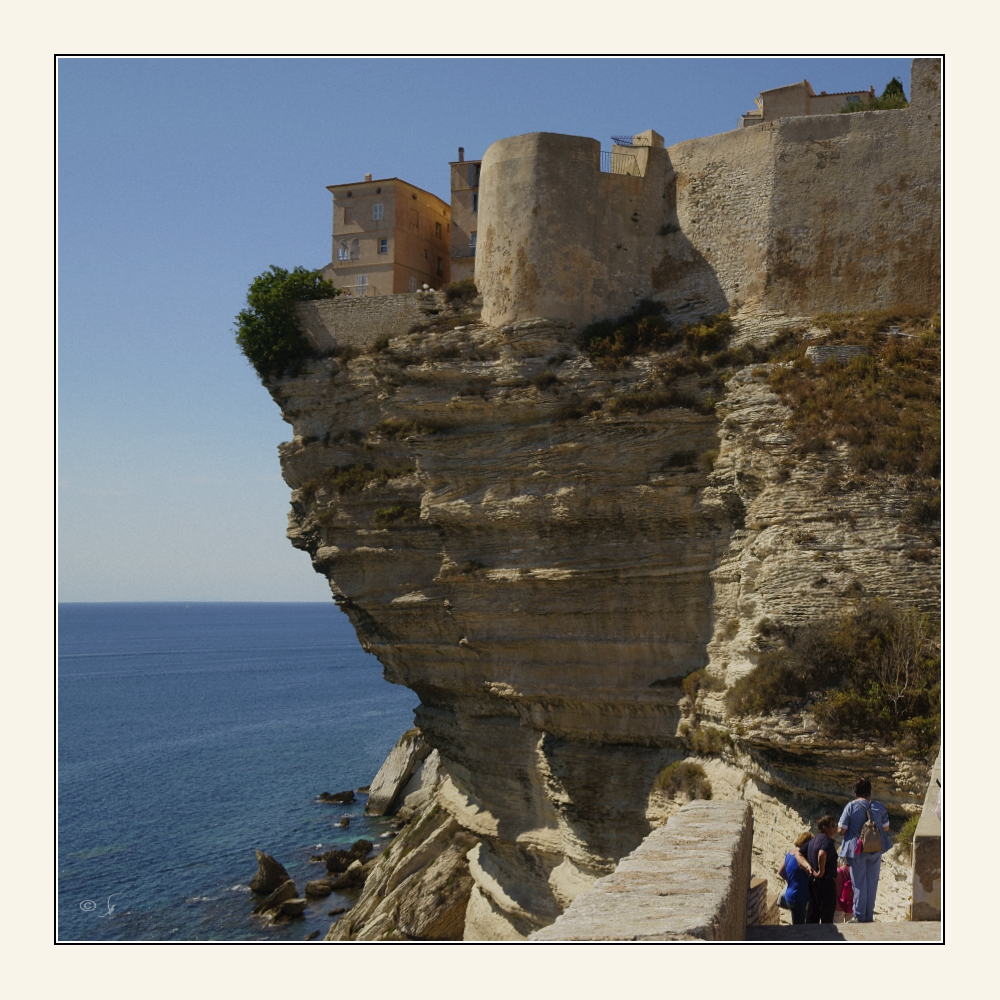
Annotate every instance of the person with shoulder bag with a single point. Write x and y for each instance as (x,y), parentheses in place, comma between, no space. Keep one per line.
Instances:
(863,825)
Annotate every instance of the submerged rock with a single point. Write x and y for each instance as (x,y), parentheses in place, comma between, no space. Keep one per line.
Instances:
(344,821)
(343,797)
(270,875)
(293,907)
(319,887)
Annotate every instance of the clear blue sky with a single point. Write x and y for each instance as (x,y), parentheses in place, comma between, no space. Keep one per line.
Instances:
(182,179)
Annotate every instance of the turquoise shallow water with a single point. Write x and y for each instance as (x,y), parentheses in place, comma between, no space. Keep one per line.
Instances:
(191,734)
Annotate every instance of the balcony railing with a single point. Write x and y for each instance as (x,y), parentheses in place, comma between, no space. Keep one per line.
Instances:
(463,251)
(619,163)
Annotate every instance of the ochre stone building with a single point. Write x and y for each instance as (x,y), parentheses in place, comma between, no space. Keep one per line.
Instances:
(797,100)
(388,237)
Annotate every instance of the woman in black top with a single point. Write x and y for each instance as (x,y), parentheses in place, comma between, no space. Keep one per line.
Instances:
(822,854)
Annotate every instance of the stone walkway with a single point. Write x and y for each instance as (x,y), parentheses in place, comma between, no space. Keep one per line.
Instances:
(922,931)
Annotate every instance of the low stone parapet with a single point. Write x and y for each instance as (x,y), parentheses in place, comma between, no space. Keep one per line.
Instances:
(688,880)
(926,900)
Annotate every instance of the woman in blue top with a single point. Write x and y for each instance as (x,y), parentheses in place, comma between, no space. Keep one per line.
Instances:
(797,871)
(865,868)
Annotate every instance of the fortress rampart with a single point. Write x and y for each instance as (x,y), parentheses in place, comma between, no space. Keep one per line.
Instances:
(820,213)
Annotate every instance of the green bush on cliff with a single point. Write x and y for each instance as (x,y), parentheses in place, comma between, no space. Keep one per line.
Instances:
(268,330)
(904,839)
(876,670)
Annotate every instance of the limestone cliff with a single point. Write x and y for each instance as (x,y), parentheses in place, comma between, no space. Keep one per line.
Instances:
(544,567)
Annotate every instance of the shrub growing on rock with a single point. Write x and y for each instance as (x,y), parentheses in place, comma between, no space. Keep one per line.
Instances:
(877,670)
(684,777)
(268,330)
(461,291)
(885,406)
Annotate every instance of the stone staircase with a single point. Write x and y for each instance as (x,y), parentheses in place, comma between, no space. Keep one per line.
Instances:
(923,931)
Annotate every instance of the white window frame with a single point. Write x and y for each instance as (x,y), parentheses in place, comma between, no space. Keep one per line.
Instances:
(472,241)
(413,284)
(378,210)
(343,252)
(383,244)
(361,285)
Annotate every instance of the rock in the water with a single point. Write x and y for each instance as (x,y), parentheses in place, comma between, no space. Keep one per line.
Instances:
(318,887)
(293,907)
(337,912)
(344,821)
(360,848)
(353,878)
(311,936)
(276,899)
(363,790)
(408,752)
(270,875)
(338,861)
(343,797)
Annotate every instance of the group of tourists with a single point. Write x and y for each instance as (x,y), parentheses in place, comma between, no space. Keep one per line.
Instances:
(828,885)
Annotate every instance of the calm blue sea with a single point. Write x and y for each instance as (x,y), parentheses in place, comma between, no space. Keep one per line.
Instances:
(192,734)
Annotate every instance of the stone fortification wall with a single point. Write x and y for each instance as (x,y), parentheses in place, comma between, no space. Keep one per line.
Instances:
(686,881)
(560,239)
(358,322)
(807,214)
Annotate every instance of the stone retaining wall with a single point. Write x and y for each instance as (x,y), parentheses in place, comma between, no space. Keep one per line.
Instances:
(359,322)
(688,880)
(762,906)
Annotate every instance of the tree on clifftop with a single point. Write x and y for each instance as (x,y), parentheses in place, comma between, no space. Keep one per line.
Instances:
(893,89)
(268,330)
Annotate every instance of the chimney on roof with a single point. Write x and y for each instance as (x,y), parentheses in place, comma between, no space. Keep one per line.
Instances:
(368,177)
(461,154)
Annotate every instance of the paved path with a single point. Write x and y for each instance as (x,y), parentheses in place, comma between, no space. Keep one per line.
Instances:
(923,930)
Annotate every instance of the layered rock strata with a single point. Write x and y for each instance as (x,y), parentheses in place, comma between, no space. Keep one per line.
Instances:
(543,571)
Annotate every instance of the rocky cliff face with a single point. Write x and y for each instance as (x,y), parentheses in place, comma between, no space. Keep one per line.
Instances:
(544,568)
